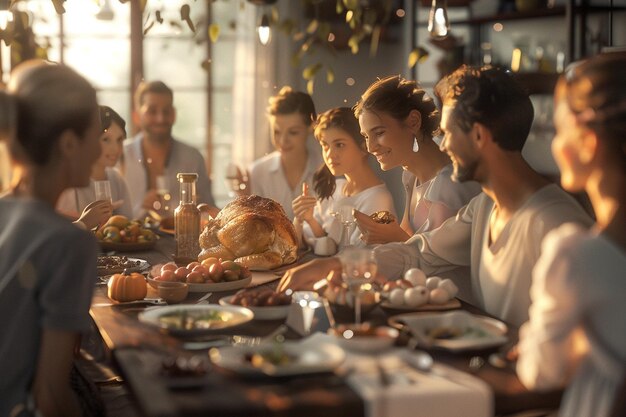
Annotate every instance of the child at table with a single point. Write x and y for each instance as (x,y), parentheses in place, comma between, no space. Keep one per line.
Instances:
(75,201)
(345,154)
(47,265)
(280,174)
(575,333)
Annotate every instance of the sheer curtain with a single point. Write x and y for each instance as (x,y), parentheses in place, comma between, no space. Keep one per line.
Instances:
(252,86)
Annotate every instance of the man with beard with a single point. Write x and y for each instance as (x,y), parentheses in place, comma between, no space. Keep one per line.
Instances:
(154,153)
(486,118)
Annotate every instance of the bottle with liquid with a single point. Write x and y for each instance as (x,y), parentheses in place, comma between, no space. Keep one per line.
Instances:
(187,219)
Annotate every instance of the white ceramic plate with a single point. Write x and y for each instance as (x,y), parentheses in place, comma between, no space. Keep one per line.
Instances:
(200,318)
(450,305)
(477,332)
(211,287)
(308,356)
(261,313)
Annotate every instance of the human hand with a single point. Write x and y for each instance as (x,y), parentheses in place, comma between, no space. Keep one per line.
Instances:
(96,213)
(374,233)
(303,205)
(303,277)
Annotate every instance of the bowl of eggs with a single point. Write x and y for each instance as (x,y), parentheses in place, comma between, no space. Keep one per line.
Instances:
(417,292)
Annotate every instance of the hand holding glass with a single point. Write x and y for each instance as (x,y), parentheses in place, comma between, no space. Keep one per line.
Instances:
(102,190)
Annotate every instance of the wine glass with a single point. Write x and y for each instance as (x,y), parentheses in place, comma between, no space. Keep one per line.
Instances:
(102,190)
(346,217)
(359,267)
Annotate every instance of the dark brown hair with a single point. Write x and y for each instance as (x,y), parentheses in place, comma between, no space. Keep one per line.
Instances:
(489,96)
(289,101)
(341,118)
(397,97)
(109,116)
(155,87)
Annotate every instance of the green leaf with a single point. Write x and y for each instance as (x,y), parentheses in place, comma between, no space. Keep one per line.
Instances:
(214,32)
(330,76)
(417,55)
(349,16)
(309,72)
(310,86)
(312,26)
(339,7)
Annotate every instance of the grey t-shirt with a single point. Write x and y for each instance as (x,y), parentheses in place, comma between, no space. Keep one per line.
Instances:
(47,273)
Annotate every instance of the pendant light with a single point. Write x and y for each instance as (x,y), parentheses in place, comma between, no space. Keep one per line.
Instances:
(263,30)
(438,23)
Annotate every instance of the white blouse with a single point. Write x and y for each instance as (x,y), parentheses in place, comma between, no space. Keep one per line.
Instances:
(575,334)
(326,211)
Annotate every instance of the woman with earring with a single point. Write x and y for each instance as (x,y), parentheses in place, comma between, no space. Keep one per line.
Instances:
(399,121)
(575,333)
(49,118)
(345,154)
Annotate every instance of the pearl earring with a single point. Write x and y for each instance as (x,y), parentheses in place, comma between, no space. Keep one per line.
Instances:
(416,145)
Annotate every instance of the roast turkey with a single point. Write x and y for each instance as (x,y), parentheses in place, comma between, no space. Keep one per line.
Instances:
(253,231)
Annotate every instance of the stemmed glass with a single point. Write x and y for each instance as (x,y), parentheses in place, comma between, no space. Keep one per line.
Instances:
(346,217)
(359,266)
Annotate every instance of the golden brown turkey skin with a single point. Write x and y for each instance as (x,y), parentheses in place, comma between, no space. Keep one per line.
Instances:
(252,230)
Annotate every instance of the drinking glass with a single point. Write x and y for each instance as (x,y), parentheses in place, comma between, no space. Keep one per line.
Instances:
(346,217)
(359,267)
(102,190)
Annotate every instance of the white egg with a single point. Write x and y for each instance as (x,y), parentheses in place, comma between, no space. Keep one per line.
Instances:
(448,285)
(415,276)
(439,296)
(396,297)
(415,297)
(432,283)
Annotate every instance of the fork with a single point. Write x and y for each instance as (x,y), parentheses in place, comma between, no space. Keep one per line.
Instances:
(204,298)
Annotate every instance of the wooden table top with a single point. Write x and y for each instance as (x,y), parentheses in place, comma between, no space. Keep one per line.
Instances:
(139,351)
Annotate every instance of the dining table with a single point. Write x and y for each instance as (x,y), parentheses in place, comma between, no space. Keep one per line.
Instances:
(144,354)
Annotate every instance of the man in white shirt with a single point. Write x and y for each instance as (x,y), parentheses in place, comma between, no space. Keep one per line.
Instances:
(155,153)
(486,118)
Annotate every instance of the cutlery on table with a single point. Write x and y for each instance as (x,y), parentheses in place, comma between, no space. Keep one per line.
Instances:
(204,298)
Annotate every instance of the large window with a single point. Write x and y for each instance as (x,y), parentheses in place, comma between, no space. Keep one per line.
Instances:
(93,37)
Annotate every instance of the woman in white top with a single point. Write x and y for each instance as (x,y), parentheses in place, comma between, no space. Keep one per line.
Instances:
(575,333)
(399,121)
(345,154)
(73,201)
(280,174)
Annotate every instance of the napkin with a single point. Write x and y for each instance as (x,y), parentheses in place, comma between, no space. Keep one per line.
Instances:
(442,392)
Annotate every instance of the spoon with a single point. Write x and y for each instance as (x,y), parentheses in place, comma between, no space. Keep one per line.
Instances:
(418,360)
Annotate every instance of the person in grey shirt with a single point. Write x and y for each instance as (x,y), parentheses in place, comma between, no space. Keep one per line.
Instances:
(155,153)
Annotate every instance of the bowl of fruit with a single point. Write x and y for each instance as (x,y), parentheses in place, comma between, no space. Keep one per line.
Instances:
(124,235)
(210,275)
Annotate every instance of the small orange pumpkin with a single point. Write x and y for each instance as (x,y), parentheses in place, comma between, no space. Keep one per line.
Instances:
(123,288)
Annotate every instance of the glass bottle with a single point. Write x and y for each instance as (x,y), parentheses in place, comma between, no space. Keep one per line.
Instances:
(187,219)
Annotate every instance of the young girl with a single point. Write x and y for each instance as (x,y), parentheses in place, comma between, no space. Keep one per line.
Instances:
(280,175)
(76,200)
(344,153)
(399,122)
(47,265)
(575,333)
